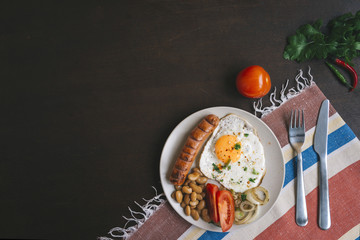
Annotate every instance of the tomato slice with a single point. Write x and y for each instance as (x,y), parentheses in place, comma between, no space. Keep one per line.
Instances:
(226,209)
(211,190)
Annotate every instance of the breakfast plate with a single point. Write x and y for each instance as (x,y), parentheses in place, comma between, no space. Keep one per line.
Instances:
(275,169)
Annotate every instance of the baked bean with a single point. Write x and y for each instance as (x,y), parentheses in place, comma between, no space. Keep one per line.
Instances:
(198,171)
(202,187)
(193,196)
(195,188)
(195,214)
(205,215)
(187,189)
(187,182)
(187,210)
(179,196)
(201,205)
(194,203)
(194,176)
(187,199)
(201,180)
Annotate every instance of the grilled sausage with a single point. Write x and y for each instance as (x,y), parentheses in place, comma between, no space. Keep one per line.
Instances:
(191,148)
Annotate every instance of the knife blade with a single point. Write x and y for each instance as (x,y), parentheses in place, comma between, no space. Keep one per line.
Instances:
(320,146)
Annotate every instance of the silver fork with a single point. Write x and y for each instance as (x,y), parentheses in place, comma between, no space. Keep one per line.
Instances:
(297,138)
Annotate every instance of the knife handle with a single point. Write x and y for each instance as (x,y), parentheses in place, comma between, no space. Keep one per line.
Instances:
(301,210)
(324,203)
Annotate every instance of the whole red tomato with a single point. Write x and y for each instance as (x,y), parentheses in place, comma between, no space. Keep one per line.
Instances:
(253,82)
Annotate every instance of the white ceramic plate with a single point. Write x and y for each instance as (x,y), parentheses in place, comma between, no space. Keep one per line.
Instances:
(275,170)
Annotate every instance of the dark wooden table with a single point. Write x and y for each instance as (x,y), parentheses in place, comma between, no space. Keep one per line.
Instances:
(90,92)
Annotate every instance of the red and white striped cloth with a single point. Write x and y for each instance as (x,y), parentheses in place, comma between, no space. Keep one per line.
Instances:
(279,223)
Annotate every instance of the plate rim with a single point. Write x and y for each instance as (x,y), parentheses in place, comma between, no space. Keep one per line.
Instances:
(210,110)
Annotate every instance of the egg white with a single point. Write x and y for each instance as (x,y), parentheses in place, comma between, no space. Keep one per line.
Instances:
(248,171)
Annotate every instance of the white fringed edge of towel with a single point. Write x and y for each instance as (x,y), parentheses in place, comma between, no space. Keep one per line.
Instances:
(148,209)
(302,83)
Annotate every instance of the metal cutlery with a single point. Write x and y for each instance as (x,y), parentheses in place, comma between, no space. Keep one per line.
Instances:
(320,146)
(297,139)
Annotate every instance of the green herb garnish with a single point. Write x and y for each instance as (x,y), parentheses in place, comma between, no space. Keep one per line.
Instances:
(246,134)
(245,169)
(237,146)
(216,168)
(243,197)
(252,179)
(227,163)
(255,172)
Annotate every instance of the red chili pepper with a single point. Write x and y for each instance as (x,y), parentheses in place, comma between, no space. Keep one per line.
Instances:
(351,70)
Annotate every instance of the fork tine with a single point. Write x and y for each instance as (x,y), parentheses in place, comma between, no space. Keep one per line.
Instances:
(291,119)
(295,126)
(299,115)
(303,121)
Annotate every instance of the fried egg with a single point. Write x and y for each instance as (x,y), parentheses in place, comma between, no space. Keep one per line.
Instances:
(234,155)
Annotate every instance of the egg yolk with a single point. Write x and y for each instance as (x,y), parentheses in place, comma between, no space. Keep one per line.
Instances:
(228,148)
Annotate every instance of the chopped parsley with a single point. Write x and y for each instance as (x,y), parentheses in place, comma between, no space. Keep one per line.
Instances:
(243,197)
(221,180)
(216,168)
(246,134)
(255,172)
(227,163)
(312,41)
(252,179)
(237,146)
(229,167)
(245,169)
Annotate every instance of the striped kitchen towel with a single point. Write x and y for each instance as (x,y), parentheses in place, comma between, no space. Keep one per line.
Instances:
(160,221)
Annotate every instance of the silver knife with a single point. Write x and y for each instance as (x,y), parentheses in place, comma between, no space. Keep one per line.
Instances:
(320,146)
